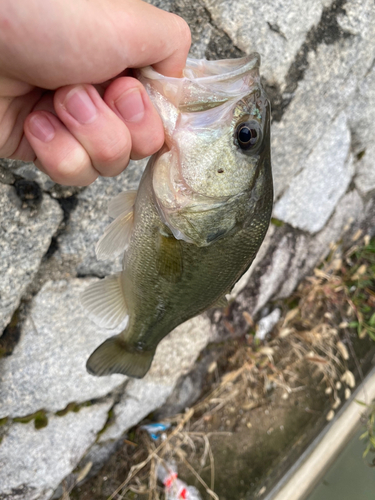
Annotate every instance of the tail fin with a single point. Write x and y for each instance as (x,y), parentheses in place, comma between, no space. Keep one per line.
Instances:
(113,356)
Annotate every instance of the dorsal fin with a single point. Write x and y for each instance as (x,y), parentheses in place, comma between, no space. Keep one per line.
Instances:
(117,235)
(105,301)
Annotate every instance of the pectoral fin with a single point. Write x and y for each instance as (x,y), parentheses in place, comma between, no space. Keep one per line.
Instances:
(169,261)
(122,203)
(117,235)
(115,238)
(113,356)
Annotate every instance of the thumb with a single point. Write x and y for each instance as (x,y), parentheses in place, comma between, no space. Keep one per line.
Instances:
(75,41)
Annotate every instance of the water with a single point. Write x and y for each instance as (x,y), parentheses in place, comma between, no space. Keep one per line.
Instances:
(350,477)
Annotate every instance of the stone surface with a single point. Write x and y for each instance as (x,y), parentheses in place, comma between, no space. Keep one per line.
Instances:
(313,194)
(362,113)
(47,368)
(266,324)
(89,220)
(274,29)
(25,235)
(33,462)
(332,74)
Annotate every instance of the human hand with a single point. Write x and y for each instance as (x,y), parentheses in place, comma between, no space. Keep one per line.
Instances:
(64,100)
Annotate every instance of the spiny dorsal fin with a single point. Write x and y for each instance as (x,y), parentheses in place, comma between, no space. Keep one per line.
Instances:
(121,204)
(113,356)
(169,261)
(105,301)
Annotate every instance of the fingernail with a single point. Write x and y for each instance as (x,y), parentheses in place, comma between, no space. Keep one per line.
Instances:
(130,105)
(41,128)
(79,104)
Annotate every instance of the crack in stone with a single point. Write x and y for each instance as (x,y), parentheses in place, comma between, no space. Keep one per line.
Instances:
(89,275)
(275,28)
(17,493)
(220,46)
(31,195)
(116,394)
(11,334)
(67,205)
(327,31)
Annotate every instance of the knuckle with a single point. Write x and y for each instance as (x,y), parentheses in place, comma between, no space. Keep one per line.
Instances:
(113,154)
(71,168)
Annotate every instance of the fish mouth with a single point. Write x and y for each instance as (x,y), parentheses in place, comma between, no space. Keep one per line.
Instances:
(222,70)
(206,72)
(205,84)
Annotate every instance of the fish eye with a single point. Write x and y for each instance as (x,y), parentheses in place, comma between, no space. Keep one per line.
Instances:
(248,135)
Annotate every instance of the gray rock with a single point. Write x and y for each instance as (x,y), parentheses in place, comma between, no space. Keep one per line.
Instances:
(199,47)
(273,275)
(47,368)
(266,324)
(274,29)
(6,176)
(33,462)
(362,118)
(332,74)
(89,220)
(25,235)
(313,194)
(98,455)
(185,394)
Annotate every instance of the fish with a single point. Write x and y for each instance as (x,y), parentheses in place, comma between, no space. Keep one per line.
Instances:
(199,216)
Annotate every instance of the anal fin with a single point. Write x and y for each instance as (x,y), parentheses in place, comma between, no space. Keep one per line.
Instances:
(113,356)
(105,301)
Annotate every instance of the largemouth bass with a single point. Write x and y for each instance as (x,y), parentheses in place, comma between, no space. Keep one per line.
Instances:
(199,216)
